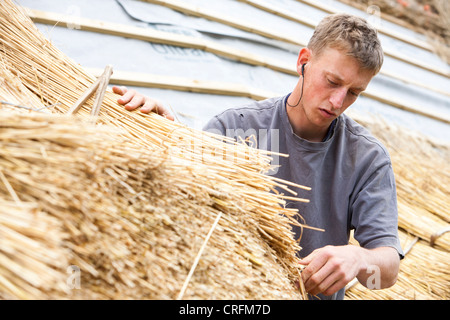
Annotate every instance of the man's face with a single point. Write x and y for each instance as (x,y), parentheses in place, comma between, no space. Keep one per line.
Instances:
(332,83)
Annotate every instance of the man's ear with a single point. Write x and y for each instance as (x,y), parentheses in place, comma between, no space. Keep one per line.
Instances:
(303,57)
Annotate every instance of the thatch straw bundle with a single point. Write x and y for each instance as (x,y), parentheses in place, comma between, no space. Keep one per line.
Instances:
(31,255)
(132,220)
(136,207)
(424,274)
(15,95)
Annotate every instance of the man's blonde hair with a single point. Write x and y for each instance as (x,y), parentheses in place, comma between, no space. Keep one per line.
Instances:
(352,35)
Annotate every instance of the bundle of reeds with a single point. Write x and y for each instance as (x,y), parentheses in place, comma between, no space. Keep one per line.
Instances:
(133,220)
(31,252)
(14,95)
(139,203)
(424,274)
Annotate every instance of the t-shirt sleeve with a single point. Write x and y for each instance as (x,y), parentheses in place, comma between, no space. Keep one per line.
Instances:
(374,211)
(215,126)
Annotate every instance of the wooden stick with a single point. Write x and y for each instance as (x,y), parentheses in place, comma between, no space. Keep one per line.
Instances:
(186,84)
(222,18)
(86,95)
(436,235)
(104,80)
(410,246)
(212,87)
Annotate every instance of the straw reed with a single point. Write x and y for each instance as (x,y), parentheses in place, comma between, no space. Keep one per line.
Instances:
(424,274)
(136,195)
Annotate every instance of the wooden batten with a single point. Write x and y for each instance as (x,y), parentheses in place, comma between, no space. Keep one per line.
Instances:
(184,84)
(161,37)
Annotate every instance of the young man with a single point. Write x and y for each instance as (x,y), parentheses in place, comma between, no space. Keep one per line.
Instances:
(349,171)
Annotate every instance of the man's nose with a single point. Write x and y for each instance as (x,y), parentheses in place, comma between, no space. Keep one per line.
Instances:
(337,98)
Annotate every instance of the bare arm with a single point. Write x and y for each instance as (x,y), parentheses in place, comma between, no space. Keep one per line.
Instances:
(330,268)
(132,100)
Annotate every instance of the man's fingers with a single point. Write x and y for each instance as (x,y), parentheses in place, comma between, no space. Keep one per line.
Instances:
(321,279)
(314,261)
(120,90)
(133,100)
(328,270)
(335,287)
(154,106)
(149,106)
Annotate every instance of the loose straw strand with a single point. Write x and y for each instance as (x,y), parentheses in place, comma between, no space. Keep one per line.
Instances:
(197,259)
(10,188)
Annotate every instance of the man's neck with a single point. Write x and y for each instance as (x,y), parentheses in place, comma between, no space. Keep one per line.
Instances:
(303,128)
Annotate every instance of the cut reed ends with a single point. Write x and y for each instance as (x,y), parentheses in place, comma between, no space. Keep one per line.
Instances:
(133,220)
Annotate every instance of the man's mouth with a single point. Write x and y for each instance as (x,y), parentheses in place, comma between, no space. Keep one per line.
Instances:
(326,113)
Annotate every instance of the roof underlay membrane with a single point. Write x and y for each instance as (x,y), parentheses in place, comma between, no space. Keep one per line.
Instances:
(412,89)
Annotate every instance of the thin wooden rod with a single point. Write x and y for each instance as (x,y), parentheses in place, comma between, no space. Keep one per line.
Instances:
(212,15)
(161,37)
(105,77)
(185,84)
(83,98)
(197,258)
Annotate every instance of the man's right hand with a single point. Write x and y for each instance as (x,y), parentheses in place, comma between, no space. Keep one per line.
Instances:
(132,100)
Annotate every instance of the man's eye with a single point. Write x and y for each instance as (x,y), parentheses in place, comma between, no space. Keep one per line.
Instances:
(331,82)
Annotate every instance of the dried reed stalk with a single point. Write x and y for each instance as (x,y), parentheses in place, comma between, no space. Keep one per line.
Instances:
(30,252)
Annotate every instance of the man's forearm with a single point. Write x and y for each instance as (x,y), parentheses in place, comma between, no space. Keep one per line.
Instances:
(380,269)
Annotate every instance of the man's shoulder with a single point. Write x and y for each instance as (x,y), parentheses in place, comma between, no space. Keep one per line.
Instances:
(257,114)
(361,136)
(253,109)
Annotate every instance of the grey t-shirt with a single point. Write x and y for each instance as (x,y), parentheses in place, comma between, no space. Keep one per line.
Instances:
(350,174)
